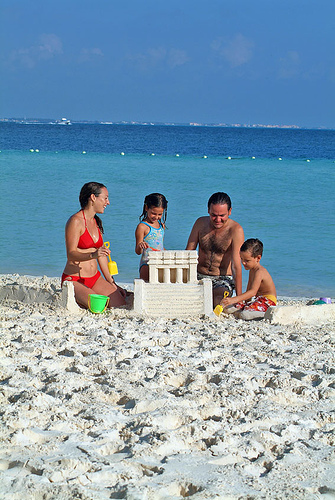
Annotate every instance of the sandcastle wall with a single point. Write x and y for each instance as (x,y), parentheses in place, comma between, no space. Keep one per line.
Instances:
(173,290)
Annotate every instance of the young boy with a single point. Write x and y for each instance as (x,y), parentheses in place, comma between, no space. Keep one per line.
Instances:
(260,285)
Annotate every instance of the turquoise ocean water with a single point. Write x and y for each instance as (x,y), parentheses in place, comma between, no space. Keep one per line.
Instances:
(283,196)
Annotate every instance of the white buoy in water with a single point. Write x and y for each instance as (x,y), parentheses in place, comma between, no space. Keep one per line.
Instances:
(177,154)
(122,154)
(152,154)
(253,158)
(31,150)
(228,157)
(84,153)
(280,158)
(37,150)
(204,156)
(308,160)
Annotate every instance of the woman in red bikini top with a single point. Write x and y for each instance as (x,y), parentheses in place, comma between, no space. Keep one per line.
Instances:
(85,249)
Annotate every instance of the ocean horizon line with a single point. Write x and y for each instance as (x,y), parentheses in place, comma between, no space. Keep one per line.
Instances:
(55,121)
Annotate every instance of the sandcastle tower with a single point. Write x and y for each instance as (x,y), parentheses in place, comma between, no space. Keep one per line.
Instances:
(173,290)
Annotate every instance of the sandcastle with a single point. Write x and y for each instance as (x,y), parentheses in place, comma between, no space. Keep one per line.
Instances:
(173,290)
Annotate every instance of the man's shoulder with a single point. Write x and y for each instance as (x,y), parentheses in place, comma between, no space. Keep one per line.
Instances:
(234,223)
(202,221)
(235,226)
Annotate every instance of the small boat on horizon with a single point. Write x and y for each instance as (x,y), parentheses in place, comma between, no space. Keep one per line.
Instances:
(64,121)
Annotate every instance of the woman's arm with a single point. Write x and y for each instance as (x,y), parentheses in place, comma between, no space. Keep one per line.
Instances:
(103,264)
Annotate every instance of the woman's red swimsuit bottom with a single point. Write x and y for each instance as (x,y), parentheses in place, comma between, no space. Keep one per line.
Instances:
(89,282)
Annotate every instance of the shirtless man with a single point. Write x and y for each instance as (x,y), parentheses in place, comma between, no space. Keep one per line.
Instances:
(219,239)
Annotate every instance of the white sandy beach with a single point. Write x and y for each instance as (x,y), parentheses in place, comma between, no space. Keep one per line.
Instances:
(124,406)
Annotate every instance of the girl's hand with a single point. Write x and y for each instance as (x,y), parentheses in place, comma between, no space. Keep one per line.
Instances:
(143,245)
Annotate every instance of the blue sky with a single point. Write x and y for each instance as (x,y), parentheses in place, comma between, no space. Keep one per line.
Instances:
(181,61)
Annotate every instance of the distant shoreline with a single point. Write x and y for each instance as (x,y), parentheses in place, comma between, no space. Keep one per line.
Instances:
(53,121)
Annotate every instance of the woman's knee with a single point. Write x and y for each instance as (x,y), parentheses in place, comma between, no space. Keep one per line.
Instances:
(116,299)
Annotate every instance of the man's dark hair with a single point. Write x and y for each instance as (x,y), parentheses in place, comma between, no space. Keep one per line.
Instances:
(219,199)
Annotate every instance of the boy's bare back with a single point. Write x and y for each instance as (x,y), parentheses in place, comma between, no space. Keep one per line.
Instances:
(261,278)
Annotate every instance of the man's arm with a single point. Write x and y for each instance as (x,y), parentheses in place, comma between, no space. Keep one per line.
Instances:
(194,237)
(237,241)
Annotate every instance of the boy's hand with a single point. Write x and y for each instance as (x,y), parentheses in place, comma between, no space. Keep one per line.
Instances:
(228,301)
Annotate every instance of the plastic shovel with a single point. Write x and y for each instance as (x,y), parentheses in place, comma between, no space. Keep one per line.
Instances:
(218,309)
(112,266)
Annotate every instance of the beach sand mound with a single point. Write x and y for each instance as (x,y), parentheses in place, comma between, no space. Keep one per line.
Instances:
(30,289)
(123,406)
